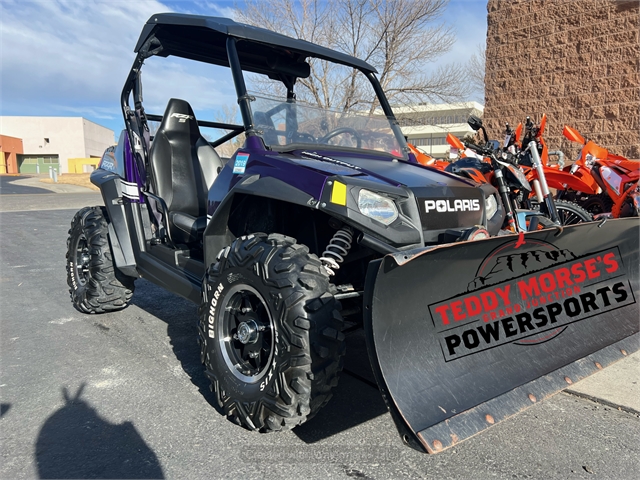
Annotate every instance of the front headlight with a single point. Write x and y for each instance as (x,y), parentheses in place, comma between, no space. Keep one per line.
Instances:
(517,172)
(377,207)
(490,206)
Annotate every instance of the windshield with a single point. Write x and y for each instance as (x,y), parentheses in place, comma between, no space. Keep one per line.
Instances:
(281,124)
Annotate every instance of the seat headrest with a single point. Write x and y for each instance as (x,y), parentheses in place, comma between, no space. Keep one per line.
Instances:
(179,118)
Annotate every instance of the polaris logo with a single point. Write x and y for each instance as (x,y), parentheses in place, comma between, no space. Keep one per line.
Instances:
(458,205)
(182,118)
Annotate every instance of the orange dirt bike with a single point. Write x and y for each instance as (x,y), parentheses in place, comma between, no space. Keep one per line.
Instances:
(500,167)
(615,179)
(555,176)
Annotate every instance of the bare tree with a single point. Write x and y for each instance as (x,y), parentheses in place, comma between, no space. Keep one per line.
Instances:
(476,70)
(230,115)
(398,37)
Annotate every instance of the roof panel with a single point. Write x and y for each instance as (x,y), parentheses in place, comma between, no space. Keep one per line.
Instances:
(213,32)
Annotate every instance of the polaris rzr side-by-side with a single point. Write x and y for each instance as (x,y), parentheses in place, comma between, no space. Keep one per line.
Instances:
(323,213)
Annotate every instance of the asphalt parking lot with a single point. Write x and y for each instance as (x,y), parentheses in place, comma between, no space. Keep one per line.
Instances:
(123,395)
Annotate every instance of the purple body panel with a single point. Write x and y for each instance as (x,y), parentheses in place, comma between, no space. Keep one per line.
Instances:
(131,170)
(265,164)
(308,170)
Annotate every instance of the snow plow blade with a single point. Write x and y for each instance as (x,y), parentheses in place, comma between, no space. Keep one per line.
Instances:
(463,336)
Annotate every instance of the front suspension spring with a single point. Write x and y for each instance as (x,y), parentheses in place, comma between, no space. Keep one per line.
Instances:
(337,249)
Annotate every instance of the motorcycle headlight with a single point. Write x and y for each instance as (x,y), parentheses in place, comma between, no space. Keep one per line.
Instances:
(377,207)
(490,206)
(520,176)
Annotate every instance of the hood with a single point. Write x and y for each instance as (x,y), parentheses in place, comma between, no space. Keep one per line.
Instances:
(378,169)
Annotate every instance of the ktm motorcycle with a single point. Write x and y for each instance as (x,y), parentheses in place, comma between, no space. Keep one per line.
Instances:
(486,164)
(555,176)
(615,178)
(493,164)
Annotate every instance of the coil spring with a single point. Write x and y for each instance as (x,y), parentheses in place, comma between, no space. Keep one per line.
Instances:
(337,249)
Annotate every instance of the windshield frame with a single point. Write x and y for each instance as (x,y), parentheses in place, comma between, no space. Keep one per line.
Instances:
(244,102)
(288,124)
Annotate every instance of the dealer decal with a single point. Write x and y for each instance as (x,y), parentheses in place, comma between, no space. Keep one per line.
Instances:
(240,163)
(529,297)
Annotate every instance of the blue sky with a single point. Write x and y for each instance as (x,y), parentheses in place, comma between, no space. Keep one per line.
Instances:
(71,57)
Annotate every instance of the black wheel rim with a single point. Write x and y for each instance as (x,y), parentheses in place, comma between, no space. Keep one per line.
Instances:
(567,217)
(246,333)
(82,259)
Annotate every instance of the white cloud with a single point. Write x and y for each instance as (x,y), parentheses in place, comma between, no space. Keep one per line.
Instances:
(214,9)
(72,57)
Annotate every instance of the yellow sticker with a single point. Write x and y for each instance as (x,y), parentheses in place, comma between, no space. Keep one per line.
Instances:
(339,194)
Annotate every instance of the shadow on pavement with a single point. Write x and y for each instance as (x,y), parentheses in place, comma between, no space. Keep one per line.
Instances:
(75,442)
(7,187)
(356,399)
(181,317)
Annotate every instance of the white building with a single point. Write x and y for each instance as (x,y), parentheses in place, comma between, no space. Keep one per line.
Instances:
(426,126)
(52,141)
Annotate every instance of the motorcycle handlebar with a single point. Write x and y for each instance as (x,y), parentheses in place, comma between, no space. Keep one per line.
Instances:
(477,148)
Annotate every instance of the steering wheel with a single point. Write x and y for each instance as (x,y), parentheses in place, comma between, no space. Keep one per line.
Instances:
(302,136)
(339,131)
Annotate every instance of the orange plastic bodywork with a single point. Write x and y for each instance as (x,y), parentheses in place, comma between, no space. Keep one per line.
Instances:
(560,180)
(455,142)
(439,164)
(572,135)
(543,123)
(590,185)
(426,160)
(592,148)
(422,158)
(630,167)
(627,170)
(518,133)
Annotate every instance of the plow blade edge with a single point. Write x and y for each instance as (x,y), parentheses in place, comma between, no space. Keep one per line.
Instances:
(466,335)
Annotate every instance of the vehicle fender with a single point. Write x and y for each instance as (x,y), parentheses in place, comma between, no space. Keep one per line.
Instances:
(217,235)
(110,187)
(558,179)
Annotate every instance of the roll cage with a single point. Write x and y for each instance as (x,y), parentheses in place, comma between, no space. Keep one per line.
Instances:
(240,47)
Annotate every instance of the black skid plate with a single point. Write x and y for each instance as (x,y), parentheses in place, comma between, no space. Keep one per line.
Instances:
(462,336)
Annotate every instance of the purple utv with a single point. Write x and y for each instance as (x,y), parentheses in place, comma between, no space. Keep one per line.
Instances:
(275,242)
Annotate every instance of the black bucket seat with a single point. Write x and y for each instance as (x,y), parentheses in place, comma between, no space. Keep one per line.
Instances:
(183,167)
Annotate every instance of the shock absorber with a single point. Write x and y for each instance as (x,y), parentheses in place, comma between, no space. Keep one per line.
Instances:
(337,249)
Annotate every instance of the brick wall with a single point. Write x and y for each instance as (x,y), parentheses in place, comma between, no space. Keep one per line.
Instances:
(575,60)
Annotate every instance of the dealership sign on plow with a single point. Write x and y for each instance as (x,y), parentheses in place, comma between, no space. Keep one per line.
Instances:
(530,308)
(487,328)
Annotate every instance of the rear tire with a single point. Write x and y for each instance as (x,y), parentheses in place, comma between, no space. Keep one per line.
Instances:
(270,332)
(570,213)
(597,204)
(95,283)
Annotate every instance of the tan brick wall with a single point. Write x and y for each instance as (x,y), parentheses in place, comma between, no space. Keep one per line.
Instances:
(575,60)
